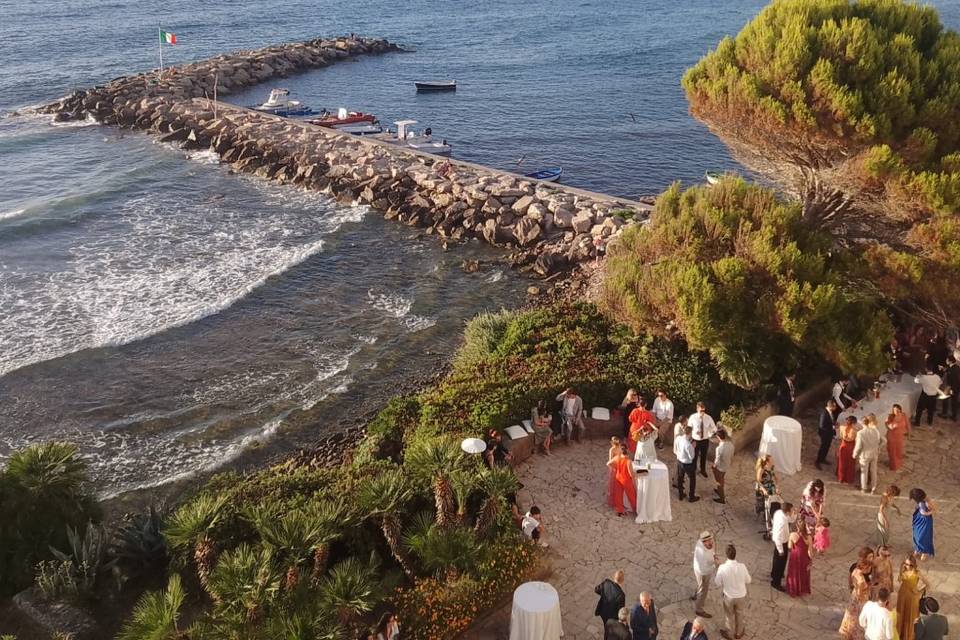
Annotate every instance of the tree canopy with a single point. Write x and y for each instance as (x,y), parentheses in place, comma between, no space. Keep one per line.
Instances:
(851,107)
(736,272)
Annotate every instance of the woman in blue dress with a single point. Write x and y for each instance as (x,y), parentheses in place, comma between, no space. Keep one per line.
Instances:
(922,523)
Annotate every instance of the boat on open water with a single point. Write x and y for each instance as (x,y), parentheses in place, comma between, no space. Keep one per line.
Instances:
(440,85)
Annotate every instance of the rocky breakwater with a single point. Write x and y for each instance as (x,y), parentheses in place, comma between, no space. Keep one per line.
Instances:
(549,228)
(116,102)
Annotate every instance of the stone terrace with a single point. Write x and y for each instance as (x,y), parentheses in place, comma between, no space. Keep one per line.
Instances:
(588,542)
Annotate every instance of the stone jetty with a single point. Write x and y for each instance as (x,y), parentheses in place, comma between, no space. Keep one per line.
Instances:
(548,227)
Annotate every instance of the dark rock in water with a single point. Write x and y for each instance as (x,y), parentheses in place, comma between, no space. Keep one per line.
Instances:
(470,266)
(177,135)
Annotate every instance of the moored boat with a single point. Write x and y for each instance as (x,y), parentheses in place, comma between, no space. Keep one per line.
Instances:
(550,174)
(280,105)
(440,85)
(343,118)
(422,141)
(712,177)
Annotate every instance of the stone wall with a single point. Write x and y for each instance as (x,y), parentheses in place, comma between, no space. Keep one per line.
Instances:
(549,227)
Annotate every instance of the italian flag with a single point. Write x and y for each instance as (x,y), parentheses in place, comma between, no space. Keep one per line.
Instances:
(169,38)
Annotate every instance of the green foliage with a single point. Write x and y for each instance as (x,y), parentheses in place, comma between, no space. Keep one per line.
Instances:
(156,614)
(734,271)
(733,418)
(44,489)
(244,582)
(481,337)
(350,589)
(56,579)
(852,106)
(87,555)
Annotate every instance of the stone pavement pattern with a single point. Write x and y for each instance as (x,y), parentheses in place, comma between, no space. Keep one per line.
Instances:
(588,541)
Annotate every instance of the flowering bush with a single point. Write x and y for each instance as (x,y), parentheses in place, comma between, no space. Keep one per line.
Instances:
(434,609)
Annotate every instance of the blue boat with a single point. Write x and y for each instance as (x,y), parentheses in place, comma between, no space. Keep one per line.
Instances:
(550,174)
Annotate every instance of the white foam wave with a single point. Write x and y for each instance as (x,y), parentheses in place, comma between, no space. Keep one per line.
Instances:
(159,263)
(89,121)
(204,156)
(495,276)
(418,323)
(9,215)
(399,307)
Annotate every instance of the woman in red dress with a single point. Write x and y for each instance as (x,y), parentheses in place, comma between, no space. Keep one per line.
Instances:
(846,465)
(897,425)
(798,565)
(612,482)
(626,481)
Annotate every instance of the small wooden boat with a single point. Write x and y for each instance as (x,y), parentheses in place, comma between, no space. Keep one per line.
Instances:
(343,118)
(279,105)
(712,177)
(442,85)
(550,174)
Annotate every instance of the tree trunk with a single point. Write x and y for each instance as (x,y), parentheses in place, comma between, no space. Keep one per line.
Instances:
(443,496)
(488,515)
(204,556)
(391,533)
(320,557)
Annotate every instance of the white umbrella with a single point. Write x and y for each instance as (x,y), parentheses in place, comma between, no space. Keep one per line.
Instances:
(473,445)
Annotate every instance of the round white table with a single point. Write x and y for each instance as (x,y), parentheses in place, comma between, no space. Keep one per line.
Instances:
(782,438)
(536,612)
(653,494)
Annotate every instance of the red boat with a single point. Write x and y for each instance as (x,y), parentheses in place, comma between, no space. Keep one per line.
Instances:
(343,117)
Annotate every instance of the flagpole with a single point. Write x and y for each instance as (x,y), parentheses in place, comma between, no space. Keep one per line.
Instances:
(160,46)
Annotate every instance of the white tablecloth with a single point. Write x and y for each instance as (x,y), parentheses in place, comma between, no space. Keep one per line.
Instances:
(905,393)
(536,612)
(653,494)
(782,438)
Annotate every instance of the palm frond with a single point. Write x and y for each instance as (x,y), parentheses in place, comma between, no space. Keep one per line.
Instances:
(156,614)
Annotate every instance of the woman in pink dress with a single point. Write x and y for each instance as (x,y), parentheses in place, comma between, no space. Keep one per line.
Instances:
(612,484)
(798,565)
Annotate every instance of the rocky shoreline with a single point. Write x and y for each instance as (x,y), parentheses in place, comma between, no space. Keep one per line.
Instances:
(548,228)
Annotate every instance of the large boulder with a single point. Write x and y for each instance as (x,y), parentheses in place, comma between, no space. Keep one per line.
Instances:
(527,231)
(563,218)
(521,205)
(582,222)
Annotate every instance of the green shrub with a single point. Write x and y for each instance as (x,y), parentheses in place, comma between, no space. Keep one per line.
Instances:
(733,418)
(481,337)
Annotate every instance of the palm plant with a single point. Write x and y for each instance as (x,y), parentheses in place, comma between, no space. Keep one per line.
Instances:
(350,589)
(497,484)
(447,552)
(302,618)
(383,498)
(156,614)
(297,535)
(191,526)
(244,582)
(435,461)
(463,482)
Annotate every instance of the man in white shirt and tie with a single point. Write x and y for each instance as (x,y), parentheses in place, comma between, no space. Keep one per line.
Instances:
(929,392)
(780,534)
(663,412)
(683,449)
(875,617)
(733,578)
(703,429)
(841,397)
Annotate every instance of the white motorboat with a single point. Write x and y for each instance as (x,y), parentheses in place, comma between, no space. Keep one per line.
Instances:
(360,128)
(279,104)
(418,141)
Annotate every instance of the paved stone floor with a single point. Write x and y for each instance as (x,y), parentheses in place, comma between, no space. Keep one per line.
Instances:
(588,542)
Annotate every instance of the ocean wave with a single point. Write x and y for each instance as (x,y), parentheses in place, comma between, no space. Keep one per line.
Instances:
(172,262)
(399,306)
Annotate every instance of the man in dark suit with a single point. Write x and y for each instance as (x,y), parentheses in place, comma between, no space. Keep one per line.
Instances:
(694,630)
(612,597)
(827,430)
(787,394)
(643,619)
(951,378)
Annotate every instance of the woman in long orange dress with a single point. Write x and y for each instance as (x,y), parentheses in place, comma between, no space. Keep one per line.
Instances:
(897,425)
(611,456)
(626,480)
(846,465)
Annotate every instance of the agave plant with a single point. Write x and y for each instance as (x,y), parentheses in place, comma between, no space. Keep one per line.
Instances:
(139,545)
(384,497)
(191,526)
(88,556)
(156,615)
(350,590)
(436,460)
(497,484)
(245,581)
